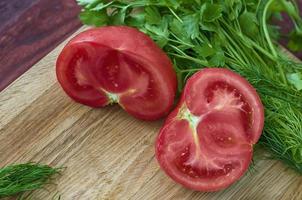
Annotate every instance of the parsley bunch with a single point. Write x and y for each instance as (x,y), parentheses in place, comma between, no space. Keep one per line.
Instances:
(224,33)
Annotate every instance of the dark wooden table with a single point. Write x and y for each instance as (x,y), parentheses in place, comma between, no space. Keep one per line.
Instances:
(29,29)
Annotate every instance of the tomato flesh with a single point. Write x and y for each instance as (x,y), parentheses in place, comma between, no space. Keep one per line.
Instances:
(118,65)
(207,142)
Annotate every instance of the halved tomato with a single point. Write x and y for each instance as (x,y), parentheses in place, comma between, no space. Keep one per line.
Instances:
(206,144)
(118,64)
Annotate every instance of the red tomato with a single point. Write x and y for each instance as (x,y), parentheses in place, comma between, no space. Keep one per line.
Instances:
(206,143)
(118,64)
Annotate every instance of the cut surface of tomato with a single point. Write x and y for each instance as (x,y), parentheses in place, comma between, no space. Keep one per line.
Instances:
(118,64)
(207,142)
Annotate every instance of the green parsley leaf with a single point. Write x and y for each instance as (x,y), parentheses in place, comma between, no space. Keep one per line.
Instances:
(205,50)
(218,60)
(179,31)
(249,23)
(191,25)
(232,8)
(152,15)
(137,20)
(159,34)
(96,18)
(212,12)
(295,79)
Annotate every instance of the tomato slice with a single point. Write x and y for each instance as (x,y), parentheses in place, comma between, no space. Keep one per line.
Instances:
(118,64)
(206,144)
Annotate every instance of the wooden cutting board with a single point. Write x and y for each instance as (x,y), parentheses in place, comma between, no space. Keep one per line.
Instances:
(107,153)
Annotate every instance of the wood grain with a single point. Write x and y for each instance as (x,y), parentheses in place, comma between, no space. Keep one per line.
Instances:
(29,30)
(108,155)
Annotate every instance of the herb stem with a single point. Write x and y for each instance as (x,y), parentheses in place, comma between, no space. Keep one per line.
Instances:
(269,41)
(264,25)
(175,15)
(197,61)
(179,41)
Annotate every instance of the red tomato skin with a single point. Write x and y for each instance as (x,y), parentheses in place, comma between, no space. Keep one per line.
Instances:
(174,117)
(132,43)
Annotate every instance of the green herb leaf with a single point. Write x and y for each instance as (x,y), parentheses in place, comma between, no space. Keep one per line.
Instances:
(296,80)
(233,8)
(191,25)
(160,34)
(152,15)
(205,50)
(218,60)
(137,20)
(179,31)
(96,18)
(249,23)
(212,12)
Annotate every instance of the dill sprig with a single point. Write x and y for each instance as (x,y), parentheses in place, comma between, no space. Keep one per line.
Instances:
(15,179)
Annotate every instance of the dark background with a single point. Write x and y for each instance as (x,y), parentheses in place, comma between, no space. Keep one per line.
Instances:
(29,29)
